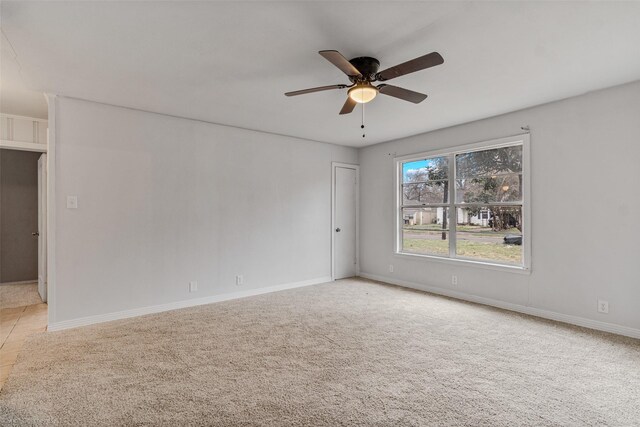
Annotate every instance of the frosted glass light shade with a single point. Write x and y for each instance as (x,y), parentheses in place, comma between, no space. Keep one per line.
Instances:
(363,93)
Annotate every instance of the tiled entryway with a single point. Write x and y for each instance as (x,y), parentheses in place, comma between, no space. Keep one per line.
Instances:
(16,325)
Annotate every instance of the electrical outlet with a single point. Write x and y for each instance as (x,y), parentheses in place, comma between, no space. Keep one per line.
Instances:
(193,286)
(72,202)
(603,306)
(454,279)
(390,268)
(239,280)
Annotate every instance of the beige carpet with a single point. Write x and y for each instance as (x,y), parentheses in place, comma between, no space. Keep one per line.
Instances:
(345,353)
(19,295)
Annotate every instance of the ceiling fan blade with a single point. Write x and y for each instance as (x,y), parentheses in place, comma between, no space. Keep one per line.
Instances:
(348,106)
(314,89)
(401,93)
(429,60)
(341,62)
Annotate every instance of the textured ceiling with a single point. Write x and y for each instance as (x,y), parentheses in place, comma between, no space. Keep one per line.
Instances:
(15,97)
(231,62)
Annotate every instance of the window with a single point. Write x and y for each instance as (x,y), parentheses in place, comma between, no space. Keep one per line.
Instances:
(467,204)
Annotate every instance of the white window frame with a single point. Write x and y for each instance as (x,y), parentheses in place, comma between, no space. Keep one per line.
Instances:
(522,139)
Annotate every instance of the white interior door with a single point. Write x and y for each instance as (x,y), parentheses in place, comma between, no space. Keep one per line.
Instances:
(345,224)
(42,227)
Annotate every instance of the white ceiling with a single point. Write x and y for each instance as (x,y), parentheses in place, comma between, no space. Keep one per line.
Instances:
(15,97)
(231,62)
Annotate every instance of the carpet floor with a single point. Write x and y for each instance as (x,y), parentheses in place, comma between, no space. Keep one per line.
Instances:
(19,295)
(351,352)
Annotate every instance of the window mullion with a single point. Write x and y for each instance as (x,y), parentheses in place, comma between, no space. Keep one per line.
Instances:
(426,205)
(399,205)
(453,214)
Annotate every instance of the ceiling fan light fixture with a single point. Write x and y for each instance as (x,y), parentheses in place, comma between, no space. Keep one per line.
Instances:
(363,72)
(363,93)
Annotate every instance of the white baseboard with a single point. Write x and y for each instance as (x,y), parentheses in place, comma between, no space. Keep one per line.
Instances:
(538,312)
(23,282)
(90,320)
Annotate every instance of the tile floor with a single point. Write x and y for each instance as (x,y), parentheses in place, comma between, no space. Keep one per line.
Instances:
(16,325)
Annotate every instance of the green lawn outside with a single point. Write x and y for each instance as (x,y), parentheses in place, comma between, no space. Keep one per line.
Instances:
(427,247)
(474,229)
(491,251)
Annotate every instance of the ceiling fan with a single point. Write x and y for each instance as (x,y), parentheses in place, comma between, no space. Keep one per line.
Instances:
(363,71)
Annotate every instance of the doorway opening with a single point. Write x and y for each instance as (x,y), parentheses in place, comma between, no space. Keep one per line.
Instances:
(23,234)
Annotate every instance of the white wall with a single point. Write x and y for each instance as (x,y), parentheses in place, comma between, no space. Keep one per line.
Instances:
(163,201)
(585,170)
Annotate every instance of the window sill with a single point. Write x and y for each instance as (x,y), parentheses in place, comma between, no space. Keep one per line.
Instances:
(466,262)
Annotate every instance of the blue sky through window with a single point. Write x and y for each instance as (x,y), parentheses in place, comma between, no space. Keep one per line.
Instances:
(409,167)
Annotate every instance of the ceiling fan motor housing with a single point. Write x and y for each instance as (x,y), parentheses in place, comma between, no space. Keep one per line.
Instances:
(367,66)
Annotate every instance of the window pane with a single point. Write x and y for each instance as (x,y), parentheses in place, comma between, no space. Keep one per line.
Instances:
(435,168)
(487,163)
(501,188)
(490,233)
(425,231)
(425,192)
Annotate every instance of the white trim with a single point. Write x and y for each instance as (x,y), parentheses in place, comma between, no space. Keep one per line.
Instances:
(52,102)
(524,140)
(42,226)
(527,232)
(90,320)
(465,262)
(15,116)
(23,146)
(532,311)
(476,146)
(22,282)
(335,165)
(36,132)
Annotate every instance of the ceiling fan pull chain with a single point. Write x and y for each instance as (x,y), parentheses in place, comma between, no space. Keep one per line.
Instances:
(362,123)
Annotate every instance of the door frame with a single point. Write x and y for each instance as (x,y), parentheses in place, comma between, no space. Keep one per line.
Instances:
(23,146)
(52,104)
(42,226)
(44,149)
(334,166)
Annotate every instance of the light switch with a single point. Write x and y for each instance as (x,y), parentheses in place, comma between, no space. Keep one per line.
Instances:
(72,202)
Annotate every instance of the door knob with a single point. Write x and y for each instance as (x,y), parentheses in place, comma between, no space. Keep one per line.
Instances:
(337,230)
(35,234)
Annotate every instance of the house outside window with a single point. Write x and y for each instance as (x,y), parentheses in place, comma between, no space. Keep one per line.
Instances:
(468,204)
